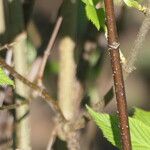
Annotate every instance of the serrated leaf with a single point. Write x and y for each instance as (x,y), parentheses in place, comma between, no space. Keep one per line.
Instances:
(91,2)
(4,79)
(142,115)
(96,16)
(134,4)
(88,2)
(140,133)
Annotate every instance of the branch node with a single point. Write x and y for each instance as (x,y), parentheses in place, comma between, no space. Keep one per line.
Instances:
(114,45)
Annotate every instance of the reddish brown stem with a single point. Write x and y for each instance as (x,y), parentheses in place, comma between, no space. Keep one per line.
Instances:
(117,75)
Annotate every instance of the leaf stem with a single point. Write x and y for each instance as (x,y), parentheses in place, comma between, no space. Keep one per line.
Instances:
(117,75)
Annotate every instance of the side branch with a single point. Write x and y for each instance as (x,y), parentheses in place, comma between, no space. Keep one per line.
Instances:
(117,75)
(129,66)
(48,49)
(13,106)
(33,86)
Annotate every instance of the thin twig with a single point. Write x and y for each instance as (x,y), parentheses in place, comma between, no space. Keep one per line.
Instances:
(13,106)
(48,49)
(52,138)
(33,73)
(7,46)
(117,74)
(129,66)
(33,86)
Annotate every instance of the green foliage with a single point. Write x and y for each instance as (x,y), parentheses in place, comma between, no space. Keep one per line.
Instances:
(95,15)
(134,4)
(53,67)
(94,57)
(4,79)
(140,132)
(91,2)
(142,115)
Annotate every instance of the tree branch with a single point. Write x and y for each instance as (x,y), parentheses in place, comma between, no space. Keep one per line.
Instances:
(42,92)
(48,49)
(117,75)
(13,106)
(7,46)
(129,66)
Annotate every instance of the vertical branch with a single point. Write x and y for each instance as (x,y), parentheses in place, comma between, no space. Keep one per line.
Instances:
(15,26)
(67,78)
(117,75)
(2,24)
(20,59)
(68,86)
(69,89)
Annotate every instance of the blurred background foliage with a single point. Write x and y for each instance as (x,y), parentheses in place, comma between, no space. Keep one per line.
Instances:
(91,57)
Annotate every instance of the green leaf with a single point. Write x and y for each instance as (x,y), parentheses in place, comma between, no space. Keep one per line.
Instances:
(4,79)
(88,2)
(53,67)
(142,115)
(140,133)
(96,16)
(134,4)
(91,2)
(94,57)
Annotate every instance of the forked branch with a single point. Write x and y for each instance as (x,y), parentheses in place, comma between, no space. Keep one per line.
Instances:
(42,92)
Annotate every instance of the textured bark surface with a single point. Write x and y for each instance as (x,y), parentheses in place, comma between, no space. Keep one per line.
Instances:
(113,45)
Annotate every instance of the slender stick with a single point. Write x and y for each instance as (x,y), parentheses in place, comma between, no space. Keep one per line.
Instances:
(144,29)
(117,75)
(33,86)
(7,46)
(52,138)
(13,106)
(48,49)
